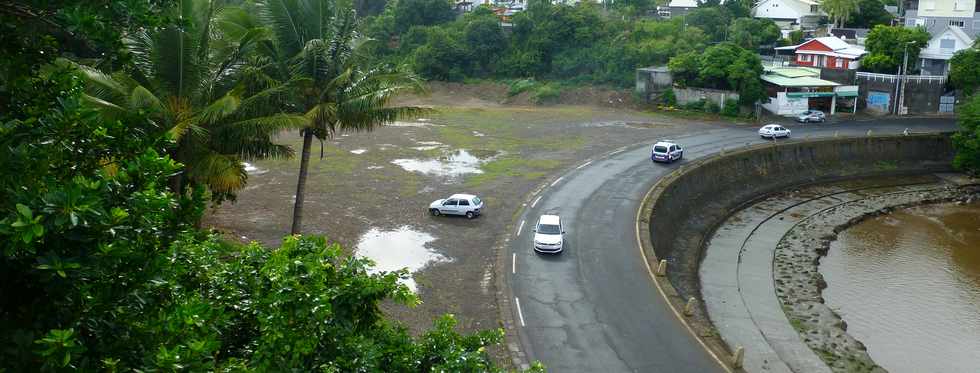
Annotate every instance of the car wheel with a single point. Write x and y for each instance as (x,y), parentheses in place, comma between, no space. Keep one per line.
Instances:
(435,212)
(470,215)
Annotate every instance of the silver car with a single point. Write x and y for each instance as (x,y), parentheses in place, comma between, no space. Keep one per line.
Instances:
(810,116)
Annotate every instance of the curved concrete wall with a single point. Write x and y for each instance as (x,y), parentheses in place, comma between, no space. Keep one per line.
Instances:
(687,204)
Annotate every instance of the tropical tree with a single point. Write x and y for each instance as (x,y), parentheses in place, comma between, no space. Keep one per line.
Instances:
(313,51)
(839,10)
(888,45)
(197,84)
(964,69)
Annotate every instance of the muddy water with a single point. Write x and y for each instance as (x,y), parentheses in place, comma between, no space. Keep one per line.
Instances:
(908,286)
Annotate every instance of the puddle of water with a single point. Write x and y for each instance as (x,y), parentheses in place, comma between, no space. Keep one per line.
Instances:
(478,134)
(908,286)
(456,164)
(375,167)
(252,170)
(358,151)
(409,124)
(402,248)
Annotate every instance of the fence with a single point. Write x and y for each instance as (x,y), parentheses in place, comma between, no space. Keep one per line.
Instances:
(939,79)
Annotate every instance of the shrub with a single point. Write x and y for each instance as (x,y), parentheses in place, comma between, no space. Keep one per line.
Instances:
(730,109)
(546,93)
(519,86)
(710,107)
(669,98)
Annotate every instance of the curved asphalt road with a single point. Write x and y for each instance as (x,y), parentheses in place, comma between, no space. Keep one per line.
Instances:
(594,308)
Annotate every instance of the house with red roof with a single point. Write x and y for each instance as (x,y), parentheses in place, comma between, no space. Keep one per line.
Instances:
(828,52)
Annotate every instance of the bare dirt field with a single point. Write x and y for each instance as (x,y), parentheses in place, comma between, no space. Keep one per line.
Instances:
(370,191)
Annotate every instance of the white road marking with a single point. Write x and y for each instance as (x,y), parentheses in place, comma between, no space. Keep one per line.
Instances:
(535,201)
(557,180)
(519,314)
(520,227)
(513,264)
(583,165)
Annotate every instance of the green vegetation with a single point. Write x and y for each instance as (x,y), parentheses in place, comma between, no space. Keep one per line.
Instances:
(721,66)
(103,268)
(887,46)
(967,140)
(964,70)
(869,14)
(514,167)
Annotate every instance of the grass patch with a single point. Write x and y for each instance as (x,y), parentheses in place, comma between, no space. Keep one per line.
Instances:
(528,169)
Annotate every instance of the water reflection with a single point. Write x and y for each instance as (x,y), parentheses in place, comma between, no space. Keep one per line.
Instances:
(455,164)
(402,248)
(908,286)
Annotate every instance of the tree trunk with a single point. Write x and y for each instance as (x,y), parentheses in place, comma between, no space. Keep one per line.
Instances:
(304,165)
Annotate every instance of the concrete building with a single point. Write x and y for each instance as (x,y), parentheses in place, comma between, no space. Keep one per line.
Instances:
(793,90)
(791,14)
(936,15)
(828,52)
(934,58)
(676,8)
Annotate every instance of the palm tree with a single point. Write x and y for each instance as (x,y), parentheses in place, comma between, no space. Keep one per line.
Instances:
(199,85)
(314,48)
(839,10)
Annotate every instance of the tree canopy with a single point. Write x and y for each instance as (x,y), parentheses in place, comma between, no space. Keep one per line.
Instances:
(967,140)
(964,70)
(887,46)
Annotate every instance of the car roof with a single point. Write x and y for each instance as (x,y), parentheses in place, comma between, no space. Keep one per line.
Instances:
(462,196)
(665,143)
(771,125)
(549,219)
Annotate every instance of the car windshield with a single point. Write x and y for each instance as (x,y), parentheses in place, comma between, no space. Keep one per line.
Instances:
(548,229)
(660,149)
(476,201)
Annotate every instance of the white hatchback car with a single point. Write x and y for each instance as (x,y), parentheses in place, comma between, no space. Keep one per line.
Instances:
(549,235)
(773,131)
(666,151)
(466,205)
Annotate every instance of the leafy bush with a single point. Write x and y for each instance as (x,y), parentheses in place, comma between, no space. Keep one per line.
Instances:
(668,98)
(519,86)
(730,109)
(710,107)
(545,93)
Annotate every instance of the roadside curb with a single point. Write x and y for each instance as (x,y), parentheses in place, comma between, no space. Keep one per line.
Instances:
(714,345)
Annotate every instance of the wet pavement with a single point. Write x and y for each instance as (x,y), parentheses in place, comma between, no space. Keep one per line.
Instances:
(594,307)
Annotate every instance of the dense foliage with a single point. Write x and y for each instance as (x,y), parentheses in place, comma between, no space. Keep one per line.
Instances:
(581,43)
(721,66)
(964,69)
(869,13)
(967,140)
(887,46)
(102,268)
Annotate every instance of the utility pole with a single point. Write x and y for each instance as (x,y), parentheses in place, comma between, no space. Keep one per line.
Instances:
(905,61)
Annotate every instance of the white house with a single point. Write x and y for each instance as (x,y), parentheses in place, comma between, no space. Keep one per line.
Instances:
(676,8)
(935,56)
(790,14)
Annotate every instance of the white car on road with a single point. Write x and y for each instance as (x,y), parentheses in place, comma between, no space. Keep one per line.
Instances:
(466,205)
(666,151)
(773,131)
(549,235)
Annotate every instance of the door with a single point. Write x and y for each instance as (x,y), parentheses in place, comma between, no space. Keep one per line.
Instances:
(464,206)
(450,207)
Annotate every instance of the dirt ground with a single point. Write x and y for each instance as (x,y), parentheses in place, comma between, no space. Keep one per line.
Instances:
(370,190)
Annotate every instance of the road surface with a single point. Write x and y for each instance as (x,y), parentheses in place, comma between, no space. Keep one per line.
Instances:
(594,308)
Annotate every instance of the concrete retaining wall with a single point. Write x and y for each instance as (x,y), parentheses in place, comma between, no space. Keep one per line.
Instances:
(687,204)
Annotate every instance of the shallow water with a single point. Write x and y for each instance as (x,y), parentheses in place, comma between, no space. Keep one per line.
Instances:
(252,170)
(459,163)
(908,286)
(402,248)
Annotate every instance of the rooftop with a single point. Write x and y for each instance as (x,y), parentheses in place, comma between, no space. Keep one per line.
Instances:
(796,77)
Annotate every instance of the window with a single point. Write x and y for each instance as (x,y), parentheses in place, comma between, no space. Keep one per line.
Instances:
(947,43)
(451,202)
(956,23)
(814,9)
(660,149)
(839,62)
(476,201)
(548,229)
(464,202)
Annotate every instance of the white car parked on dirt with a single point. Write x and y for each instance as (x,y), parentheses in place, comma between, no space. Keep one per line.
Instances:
(773,131)
(466,205)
